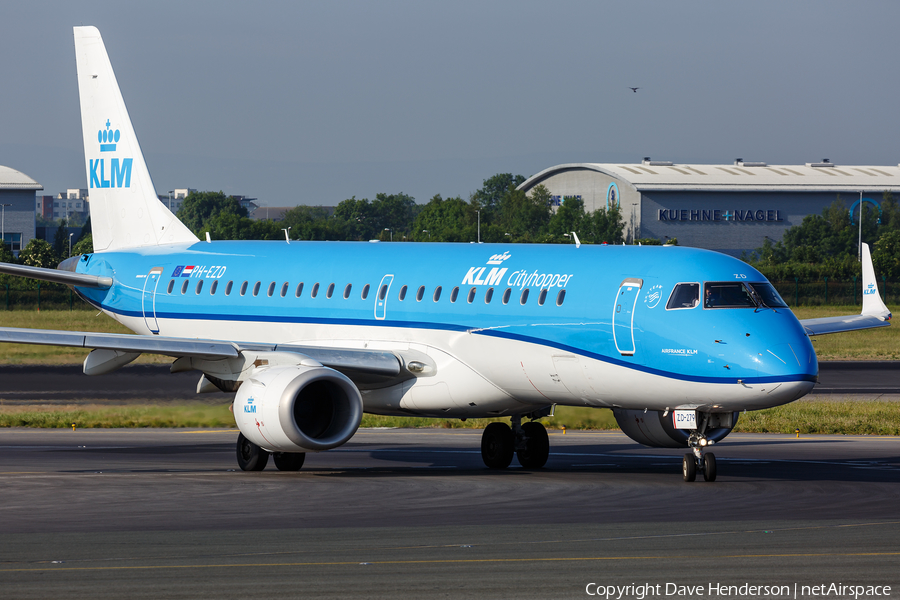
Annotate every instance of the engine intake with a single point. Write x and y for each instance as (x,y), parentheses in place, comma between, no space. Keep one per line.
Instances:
(658,431)
(298,409)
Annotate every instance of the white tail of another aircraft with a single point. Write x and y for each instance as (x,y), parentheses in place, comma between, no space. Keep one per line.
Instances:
(125,211)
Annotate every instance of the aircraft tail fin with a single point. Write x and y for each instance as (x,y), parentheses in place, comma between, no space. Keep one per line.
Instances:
(872,304)
(874,312)
(125,211)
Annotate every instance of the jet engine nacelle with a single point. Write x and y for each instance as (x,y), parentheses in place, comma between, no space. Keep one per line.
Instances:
(653,429)
(298,408)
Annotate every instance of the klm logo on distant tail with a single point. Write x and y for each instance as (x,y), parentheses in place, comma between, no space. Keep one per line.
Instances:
(870,289)
(119,172)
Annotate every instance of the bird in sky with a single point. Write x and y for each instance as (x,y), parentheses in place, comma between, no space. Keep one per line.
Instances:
(634,89)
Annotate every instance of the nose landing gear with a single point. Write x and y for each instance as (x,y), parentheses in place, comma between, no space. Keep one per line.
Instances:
(697,459)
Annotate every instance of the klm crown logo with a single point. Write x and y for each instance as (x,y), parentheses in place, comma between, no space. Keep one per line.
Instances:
(118,174)
(108,138)
(497,259)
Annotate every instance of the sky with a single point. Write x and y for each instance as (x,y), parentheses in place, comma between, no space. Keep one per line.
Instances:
(315,102)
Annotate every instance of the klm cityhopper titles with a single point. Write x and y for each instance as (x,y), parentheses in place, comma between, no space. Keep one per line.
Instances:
(676,341)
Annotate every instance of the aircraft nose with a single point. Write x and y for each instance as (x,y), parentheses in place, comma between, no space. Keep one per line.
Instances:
(787,359)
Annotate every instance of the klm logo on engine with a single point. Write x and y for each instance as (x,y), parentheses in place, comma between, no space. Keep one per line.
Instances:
(249,407)
(115,173)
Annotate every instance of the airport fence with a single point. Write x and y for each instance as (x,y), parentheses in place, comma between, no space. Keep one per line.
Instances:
(46,296)
(826,291)
(53,296)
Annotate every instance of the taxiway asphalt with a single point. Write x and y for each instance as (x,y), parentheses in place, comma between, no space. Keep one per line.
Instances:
(412,513)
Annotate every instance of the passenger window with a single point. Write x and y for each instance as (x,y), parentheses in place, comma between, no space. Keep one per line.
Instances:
(454,294)
(184,286)
(171,286)
(488,295)
(271,289)
(256,288)
(330,291)
(284,289)
(471,295)
(228,288)
(299,290)
(403,293)
(506,295)
(561,297)
(543,297)
(524,297)
(365,292)
(199,286)
(382,292)
(437,293)
(243,288)
(213,287)
(347,290)
(684,295)
(420,294)
(314,291)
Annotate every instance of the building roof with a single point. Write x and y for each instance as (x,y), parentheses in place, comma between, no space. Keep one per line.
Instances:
(739,177)
(10,179)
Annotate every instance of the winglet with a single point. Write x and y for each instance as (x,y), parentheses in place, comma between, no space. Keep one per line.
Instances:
(872,304)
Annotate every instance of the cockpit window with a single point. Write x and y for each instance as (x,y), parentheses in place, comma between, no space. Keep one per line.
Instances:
(727,294)
(685,295)
(767,295)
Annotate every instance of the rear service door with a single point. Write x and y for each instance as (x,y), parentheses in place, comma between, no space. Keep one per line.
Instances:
(148,300)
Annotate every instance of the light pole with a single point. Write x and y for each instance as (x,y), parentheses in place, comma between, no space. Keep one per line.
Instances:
(428,232)
(170,199)
(859,247)
(479,225)
(70,244)
(3,222)
(392,233)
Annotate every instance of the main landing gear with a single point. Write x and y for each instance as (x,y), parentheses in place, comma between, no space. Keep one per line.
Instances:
(697,460)
(529,442)
(251,457)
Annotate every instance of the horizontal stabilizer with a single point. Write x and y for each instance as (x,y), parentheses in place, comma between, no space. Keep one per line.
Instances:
(56,276)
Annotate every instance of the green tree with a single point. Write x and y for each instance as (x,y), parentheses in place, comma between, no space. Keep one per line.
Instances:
(604,226)
(488,198)
(886,255)
(38,253)
(61,239)
(355,219)
(450,220)
(569,217)
(85,245)
(200,207)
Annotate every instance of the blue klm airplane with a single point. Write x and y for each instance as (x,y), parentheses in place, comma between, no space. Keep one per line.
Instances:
(676,341)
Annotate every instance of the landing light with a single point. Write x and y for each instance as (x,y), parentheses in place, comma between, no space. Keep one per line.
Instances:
(703,441)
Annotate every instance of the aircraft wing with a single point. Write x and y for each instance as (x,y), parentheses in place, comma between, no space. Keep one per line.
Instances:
(359,365)
(874,312)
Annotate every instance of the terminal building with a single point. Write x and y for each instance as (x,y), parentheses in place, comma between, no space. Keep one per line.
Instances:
(17,192)
(728,208)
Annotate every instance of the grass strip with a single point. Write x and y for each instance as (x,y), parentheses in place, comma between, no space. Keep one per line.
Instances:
(848,418)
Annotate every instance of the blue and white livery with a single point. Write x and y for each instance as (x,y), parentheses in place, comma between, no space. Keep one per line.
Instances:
(676,341)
